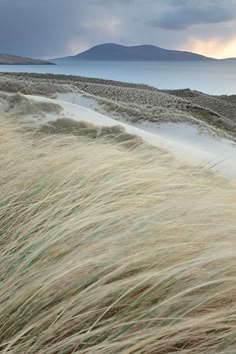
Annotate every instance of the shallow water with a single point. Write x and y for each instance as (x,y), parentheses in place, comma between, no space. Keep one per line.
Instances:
(217,77)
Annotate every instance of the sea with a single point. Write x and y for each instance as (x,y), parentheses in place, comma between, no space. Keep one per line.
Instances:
(211,77)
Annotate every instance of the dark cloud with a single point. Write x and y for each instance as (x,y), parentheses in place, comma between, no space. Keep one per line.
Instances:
(50,28)
(37,27)
(186,13)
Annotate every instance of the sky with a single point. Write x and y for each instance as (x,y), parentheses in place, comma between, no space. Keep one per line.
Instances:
(55,28)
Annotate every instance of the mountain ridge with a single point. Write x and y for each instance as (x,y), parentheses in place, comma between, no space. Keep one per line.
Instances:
(145,52)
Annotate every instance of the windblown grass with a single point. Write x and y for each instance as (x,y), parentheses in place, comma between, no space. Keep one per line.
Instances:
(106,250)
(30,87)
(115,133)
(19,105)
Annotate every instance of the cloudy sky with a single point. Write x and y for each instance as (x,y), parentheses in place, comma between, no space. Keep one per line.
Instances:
(52,28)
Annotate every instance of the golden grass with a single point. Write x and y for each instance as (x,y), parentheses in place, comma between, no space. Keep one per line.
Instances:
(106,250)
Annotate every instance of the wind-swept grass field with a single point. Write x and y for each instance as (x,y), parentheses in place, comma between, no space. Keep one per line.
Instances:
(109,249)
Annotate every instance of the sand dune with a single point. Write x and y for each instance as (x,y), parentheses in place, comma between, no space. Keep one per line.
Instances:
(136,102)
(116,236)
(186,142)
(106,249)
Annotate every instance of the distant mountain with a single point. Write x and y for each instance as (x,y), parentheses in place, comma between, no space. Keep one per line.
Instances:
(229,59)
(16,60)
(112,52)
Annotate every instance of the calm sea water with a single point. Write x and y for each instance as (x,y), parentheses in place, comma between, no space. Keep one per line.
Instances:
(209,77)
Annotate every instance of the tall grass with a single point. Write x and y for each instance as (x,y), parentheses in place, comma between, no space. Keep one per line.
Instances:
(106,250)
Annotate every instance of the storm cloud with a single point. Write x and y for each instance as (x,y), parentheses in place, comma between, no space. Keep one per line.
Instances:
(51,28)
(186,13)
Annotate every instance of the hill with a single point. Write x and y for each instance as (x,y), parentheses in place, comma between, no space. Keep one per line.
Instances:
(17,60)
(113,52)
(229,59)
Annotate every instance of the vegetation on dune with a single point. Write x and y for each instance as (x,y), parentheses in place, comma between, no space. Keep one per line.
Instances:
(20,104)
(81,128)
(33,87)
(108,250)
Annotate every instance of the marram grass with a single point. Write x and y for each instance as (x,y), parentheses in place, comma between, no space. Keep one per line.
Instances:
(107,250)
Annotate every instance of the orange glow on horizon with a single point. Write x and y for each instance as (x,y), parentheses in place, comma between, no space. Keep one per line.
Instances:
(216,48)
(76,46)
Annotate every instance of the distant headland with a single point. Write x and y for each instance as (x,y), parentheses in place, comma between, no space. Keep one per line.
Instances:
(6,59)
